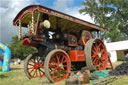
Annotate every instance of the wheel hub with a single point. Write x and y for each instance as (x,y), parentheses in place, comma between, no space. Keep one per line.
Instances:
(36,66)
(61,66)
(99,55)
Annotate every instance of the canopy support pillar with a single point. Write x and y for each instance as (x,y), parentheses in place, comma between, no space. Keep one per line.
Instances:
(19,30)
(32,23)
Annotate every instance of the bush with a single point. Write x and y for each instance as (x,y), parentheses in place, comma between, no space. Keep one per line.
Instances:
(18,50)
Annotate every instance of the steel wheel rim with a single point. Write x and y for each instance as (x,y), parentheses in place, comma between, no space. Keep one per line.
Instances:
(52,67)
(59,63)
(35,67)
(93,56)
(99,55)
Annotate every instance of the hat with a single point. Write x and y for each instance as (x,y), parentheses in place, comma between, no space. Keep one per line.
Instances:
(46,24)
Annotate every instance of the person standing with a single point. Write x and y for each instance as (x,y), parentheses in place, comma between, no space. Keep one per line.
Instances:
(126,58)
(19,61)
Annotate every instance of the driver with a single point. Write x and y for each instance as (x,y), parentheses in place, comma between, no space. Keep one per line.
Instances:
(43,32)
(45,25)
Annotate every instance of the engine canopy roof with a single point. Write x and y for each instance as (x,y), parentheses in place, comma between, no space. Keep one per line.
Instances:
(57,19)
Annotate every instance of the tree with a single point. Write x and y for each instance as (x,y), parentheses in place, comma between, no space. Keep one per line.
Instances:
(111,14)
(18,50)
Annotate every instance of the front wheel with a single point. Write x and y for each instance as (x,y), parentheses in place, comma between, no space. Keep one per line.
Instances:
(57,65)
(34,66)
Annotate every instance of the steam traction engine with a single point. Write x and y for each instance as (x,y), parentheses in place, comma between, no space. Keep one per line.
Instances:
(64,43)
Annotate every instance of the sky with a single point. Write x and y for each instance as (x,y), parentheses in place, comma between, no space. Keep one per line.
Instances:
(10,8)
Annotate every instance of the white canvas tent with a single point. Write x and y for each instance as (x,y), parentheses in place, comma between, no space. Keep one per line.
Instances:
(113,47)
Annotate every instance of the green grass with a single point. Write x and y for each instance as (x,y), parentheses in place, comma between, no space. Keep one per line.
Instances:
(17,77)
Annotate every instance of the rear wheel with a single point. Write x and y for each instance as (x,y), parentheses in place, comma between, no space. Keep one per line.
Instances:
(57,65)
(34,66)
(96,55)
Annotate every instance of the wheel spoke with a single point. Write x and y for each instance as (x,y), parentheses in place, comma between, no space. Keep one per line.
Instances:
(64,65)
(30,64)
(62,59)
(34,73)
(32,61)
(99,45)
(94,55)
(51,66)
(30,68)
(64,72)
(97,62)
(57,60)
(95,59)
(93,51)
(39,72)
(53,74)
(41,65)
(54,69)
(102,51)
(31,71)
(53,59)
(58,74)
(94,48)
(53,63)
(37,59)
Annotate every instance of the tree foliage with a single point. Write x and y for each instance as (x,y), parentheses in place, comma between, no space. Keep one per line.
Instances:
(18,50)
(111,14)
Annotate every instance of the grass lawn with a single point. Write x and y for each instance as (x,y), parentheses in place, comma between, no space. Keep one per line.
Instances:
(17,77)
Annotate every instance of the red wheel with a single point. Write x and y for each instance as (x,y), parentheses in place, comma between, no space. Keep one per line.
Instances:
(34,66)
(57,65)
(96,55)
